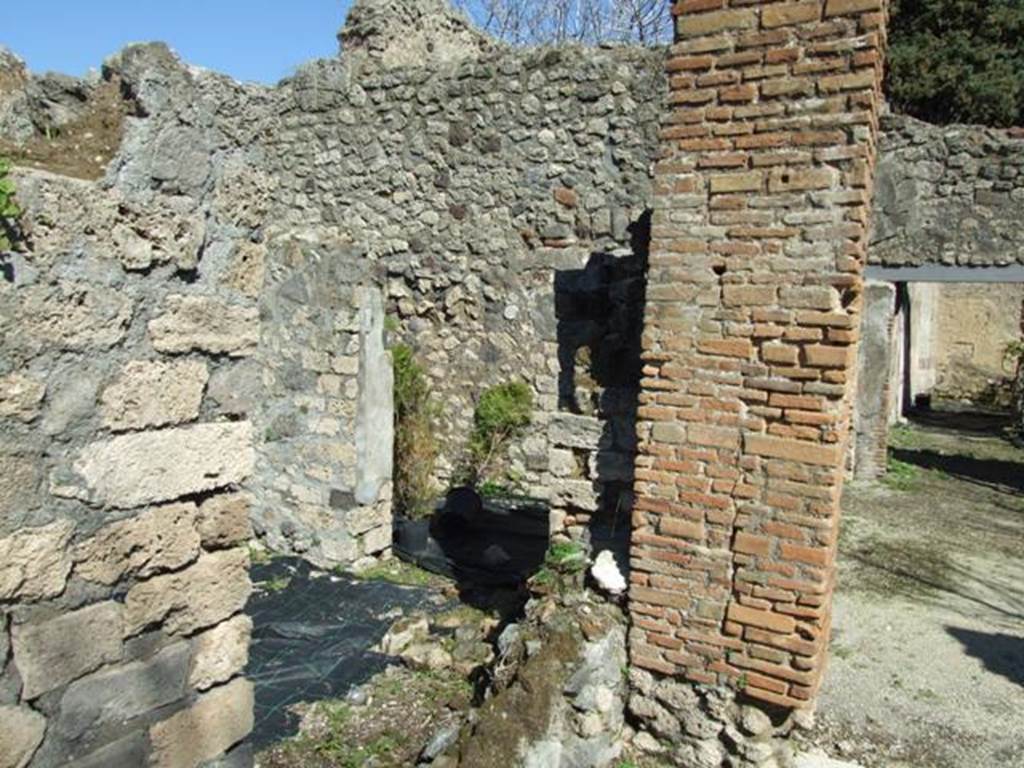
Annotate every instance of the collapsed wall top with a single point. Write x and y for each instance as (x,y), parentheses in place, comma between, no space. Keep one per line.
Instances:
(398,33)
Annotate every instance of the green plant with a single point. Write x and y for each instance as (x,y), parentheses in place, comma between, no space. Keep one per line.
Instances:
(957,60)
(416,448)
(502,412)
(279,584)
(901,476)
(566,557)
(9,211)
(397,572)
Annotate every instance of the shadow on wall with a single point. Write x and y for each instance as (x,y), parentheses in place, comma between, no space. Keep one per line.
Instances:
(1001,654)
(600,312)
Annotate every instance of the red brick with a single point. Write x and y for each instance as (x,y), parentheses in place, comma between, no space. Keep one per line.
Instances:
(790,13)
(695,24)
(794,450)
(764,619)
(846,7)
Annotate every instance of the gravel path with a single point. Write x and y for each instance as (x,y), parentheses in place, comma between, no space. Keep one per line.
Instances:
(927,665)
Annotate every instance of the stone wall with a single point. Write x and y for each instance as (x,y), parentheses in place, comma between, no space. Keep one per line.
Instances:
(754,294)
(976,324)
(948,195)
(123,571)
(123,566)
(325,402)
(498,199)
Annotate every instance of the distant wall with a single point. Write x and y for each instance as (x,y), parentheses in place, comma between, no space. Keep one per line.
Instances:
(499,202)
(975,326)
(948,195)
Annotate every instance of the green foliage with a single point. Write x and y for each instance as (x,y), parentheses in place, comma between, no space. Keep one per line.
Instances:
(502,413)
(9,211)
(901,476)
(416,447)
(399,572)
(958,60)
(566,557)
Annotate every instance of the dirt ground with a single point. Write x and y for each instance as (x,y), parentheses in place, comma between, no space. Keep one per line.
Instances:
(927,666)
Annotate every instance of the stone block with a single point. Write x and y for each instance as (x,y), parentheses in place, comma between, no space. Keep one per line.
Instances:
(121,693)
(204,594)
(71,316)
(220,653)
(20,397)
(224,520)
(247,269)
(128,752)
(377,540)
(51,653)
(236,389)
(21,733)
(35,562)
(205,324)
(159,539)
(150,467)
(154,394)
(21,477)
(215,723)
(575,493)
(569,430)
(562,463)
(240,757)
(375,416)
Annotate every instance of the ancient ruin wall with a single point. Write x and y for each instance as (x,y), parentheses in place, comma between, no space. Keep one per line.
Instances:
(948,195)
(754,292)
(496,200)
(123,567)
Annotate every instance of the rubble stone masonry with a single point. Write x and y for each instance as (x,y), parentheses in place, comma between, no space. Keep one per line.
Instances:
(754,293)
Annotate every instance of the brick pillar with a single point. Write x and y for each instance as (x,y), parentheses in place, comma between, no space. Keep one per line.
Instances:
(763,187)
(874,396)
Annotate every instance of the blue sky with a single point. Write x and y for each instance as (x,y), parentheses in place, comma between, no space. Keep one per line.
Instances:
(260,40)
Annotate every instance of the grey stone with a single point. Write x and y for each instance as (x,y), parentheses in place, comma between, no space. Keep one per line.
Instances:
(20,736)
(35,562)
(441,742)
(754,721)
(205,324)
(216,722)
(396,33)
(132,750)
(71,398)
(150,467)
(157,540)
(215,587)
(236,389)
(220,653)
(240,757)
(572,431)
(154,394)
(51,653)
(118,694)
(20,397)
(375,411)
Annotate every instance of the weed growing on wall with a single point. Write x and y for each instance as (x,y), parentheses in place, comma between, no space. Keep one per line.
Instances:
(9,211)
(502,413)
(416,448)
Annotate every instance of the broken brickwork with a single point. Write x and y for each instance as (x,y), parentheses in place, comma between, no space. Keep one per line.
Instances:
(759,241)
